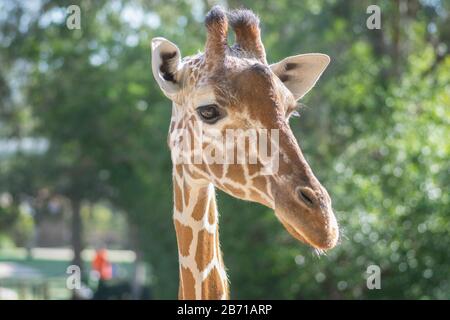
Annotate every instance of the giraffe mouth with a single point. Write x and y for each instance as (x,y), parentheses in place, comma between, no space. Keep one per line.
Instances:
(296,234)
(299,235)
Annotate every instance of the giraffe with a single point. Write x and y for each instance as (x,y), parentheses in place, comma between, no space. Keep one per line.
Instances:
(227,89)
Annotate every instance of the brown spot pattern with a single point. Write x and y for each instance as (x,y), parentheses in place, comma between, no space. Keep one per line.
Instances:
(205,249)
(177,196)
(184,237)
(253,168)
(255,196)
(212,212)
(180,289)
(212,287)
(234,191)
(216,169)
(236,173)
(260,183)
(188,284)
(200,206)
(179,170)
(186,193)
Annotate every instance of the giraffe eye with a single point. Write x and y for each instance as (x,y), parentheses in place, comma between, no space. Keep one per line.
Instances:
(210,113)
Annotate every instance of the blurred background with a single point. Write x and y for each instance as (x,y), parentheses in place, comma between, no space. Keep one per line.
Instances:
(85,172)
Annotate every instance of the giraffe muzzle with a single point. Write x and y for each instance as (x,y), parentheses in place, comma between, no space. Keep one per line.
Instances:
(307,216)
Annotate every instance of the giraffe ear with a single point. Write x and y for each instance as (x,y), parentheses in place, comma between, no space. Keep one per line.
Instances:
(166,66)
(300,73)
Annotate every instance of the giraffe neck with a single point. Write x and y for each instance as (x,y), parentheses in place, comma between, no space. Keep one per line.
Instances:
(202,272)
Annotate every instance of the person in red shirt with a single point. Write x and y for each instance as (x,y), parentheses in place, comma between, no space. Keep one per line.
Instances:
(102,265)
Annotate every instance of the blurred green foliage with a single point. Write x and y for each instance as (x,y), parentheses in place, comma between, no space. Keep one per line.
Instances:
(376,133)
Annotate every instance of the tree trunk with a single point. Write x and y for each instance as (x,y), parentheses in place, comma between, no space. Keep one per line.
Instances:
(77,241)
(139,276)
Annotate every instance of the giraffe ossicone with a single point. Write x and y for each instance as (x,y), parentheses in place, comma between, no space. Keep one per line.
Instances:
(230,130)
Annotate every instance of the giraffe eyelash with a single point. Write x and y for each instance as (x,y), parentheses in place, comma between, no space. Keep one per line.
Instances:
(295,113)
(295,110)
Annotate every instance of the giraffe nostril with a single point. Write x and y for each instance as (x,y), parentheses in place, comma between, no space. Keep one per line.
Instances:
(307,196)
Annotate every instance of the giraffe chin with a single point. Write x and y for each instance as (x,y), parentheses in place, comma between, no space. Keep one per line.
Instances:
(297,234)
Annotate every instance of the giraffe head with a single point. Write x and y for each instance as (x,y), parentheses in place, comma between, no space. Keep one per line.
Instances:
(232,89)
